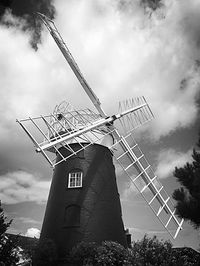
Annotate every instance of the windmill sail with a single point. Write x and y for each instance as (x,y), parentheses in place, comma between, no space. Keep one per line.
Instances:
(68,56)
(66,125)
(141,174)
(51,132)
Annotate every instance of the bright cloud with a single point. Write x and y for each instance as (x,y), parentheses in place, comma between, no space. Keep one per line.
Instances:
(26,220)
(21,186)
(169,159)
(130,190)
(134,55)
(33,232)
(122,53)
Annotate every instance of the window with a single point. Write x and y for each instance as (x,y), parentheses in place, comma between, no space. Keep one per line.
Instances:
(75,179)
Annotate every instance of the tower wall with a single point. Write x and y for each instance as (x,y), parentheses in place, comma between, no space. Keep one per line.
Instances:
(91,213)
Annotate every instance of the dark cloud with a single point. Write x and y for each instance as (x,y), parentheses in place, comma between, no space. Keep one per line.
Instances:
(150,4)
(26,9)
(190,24)
(192,77)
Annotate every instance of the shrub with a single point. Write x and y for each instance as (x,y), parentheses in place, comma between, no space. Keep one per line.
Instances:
(145,252)
(151,252)
(108,253)
(112,254)
(83,254)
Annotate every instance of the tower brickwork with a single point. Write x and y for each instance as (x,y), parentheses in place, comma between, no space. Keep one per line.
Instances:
(90,213)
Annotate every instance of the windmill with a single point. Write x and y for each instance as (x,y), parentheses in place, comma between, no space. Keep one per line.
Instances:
(83,203)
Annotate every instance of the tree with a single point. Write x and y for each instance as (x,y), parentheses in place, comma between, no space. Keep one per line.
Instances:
(108,253)
(188,195)
(145,252)
(185,257)
(8,247)
(83,254)
(112,253)
(151,252)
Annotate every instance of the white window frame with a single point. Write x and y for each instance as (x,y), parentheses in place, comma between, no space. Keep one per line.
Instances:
(75,179)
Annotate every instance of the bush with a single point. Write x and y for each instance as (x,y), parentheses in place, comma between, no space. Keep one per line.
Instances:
(185,257)
(109,253)
(151,252)
(145,252)
(112,254)
(83,254)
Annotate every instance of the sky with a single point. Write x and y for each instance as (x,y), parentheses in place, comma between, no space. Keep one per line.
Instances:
(124,49)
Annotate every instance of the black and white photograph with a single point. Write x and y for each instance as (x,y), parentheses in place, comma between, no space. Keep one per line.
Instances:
(99,132)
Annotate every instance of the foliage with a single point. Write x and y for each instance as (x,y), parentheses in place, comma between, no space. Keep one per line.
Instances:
(151,252)
(28,253)
(8,246)
(145,252)
(188,195)
(112,253)
(84,254)
(185,257)
(108,253)
(3,224)
(45,253)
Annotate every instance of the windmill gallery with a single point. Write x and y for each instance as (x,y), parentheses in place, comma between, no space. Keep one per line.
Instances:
(84,203)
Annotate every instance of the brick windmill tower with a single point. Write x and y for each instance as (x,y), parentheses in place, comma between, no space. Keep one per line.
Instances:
(84,203)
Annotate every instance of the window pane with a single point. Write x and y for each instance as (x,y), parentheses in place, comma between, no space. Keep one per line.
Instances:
(75,179)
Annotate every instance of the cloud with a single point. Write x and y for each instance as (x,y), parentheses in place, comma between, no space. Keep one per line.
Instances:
(20,186)
(26,19)
(26,220)
(166,162)
(169,159)
(126,54)
(33,232)
(148,231)
(121,53)
(129,190)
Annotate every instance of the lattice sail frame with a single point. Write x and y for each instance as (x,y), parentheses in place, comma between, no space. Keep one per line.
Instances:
(66,126)
(47,132)
(131,121)
(141,174)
